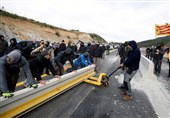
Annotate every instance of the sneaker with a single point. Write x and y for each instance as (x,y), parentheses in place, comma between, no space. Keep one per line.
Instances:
(127,98)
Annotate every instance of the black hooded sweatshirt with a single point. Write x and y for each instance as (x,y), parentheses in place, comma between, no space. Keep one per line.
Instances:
(133,57)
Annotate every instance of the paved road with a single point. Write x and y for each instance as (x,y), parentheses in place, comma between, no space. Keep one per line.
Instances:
(89,101)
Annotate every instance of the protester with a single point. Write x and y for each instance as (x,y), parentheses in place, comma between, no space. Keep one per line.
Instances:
(62,46)
(43,58)
(148,53)
(62,57)
(107,49)
(97,54)
(103,51)
(90,49)
(169,62)
(82,48)
(132,65)
(74,47)
(10,65)
(13,45)
(157,59)
(151,54)
(3,45)
(82,61)
(123,50)
(56,48)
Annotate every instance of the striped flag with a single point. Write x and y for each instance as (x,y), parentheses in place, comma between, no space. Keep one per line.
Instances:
(162,29)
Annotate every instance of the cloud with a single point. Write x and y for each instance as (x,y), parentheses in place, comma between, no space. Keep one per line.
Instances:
(114,20)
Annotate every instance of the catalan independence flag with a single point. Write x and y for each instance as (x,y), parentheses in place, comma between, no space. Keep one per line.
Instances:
(162,29)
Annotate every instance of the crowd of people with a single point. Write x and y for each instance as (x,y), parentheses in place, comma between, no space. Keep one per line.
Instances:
(44,56)
(51,58)
(129,61)
(156,54)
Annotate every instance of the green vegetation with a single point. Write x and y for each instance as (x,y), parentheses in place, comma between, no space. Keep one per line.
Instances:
(161,40)
(97,38)
(15,16)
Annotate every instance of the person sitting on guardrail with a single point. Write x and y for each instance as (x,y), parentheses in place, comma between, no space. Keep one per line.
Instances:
(132,65)
(157,59)
(62,57)
(10,65)
(82,61)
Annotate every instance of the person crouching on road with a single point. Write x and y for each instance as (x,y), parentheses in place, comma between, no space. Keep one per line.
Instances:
(132,65)
(62,57)
(82,61)
(10,65)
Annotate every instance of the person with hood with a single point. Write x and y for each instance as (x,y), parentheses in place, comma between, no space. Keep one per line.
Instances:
(13,45)
(62,46)
(82,61)
(3,45)
(10,65)
(132,65)
(82,48)
(62,57)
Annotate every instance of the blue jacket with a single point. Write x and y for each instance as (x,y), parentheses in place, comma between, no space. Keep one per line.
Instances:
(133,58)
(82,61)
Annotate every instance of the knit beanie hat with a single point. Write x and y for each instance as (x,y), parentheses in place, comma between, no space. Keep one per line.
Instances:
(14,56)
(86,54)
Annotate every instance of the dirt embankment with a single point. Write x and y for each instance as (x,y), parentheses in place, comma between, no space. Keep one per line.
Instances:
(25,30)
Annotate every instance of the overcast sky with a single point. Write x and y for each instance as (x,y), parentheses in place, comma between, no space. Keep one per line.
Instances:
(114,20)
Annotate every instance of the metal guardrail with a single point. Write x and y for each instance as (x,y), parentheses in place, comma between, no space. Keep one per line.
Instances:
(29,98)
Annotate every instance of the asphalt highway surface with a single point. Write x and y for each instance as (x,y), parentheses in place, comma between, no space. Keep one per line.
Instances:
(90,101)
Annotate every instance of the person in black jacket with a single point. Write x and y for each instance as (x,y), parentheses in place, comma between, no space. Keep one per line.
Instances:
(157,59)
(3,45)
(62,46)
(97,54)
(103,51)
(13,45)
(132,65)
(82,48)
(62,57)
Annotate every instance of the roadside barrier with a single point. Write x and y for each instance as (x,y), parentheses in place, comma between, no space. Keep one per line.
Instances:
(146,67)
(27,99)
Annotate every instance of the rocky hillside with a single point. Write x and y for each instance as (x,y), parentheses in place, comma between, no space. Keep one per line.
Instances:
(12,25)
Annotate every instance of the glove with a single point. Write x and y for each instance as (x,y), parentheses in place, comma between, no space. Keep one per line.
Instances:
(33,86)
(7,95)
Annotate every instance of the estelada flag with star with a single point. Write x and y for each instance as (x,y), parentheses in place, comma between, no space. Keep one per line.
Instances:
(162,29)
